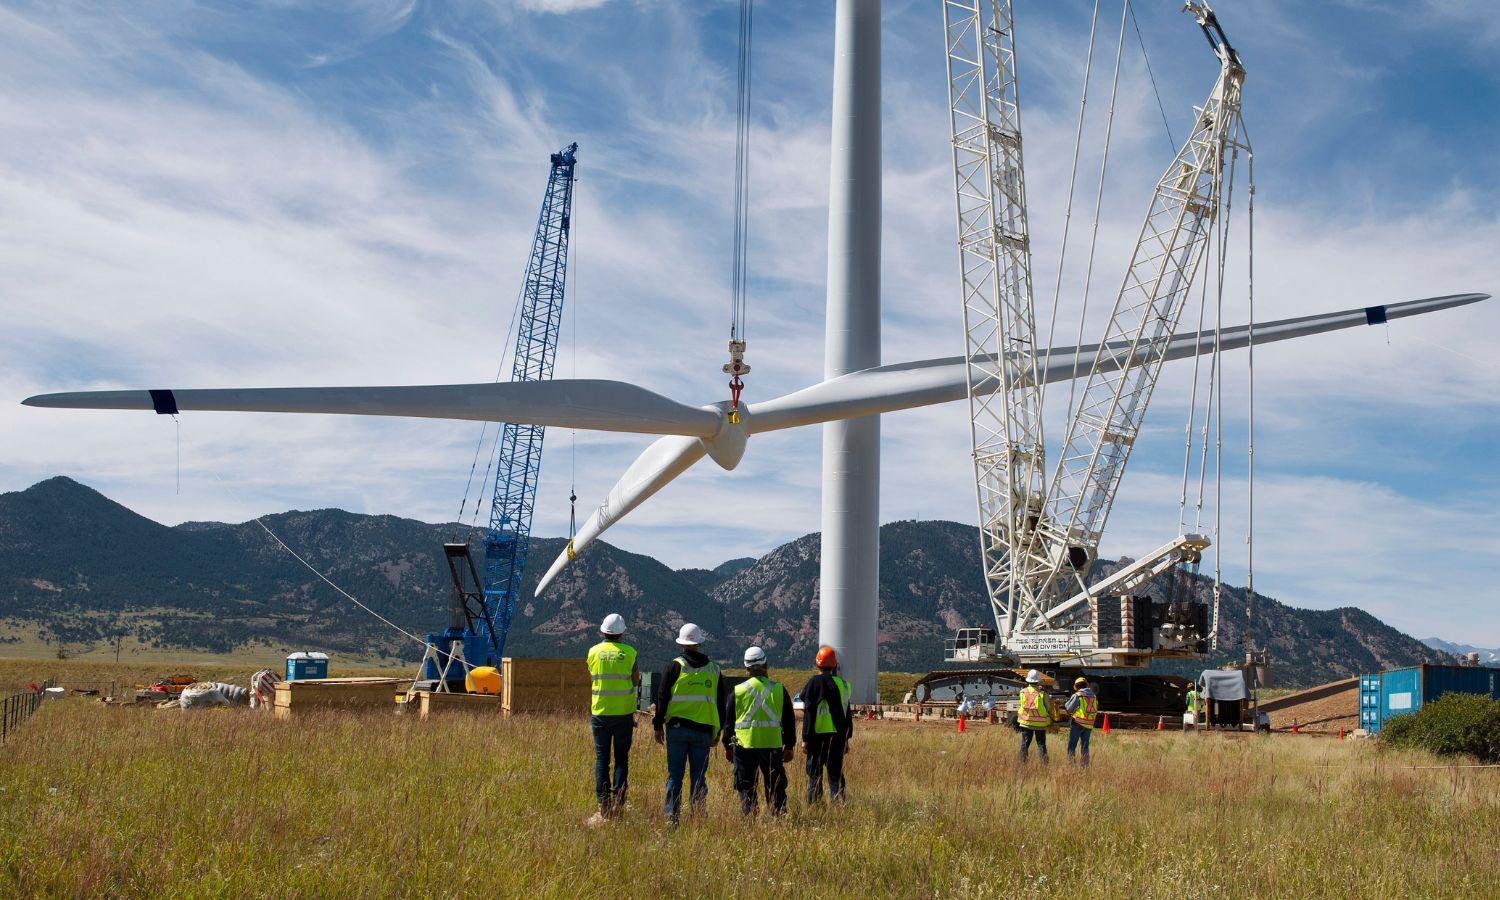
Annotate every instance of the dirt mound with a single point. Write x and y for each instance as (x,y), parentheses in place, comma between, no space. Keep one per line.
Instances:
(1325,708)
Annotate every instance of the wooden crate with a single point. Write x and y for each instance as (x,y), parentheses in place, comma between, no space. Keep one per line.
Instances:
(544,685)
(429,702)
(336,693)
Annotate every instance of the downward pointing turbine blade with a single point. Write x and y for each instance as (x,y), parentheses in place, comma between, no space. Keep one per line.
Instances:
(653,470)
(592,404)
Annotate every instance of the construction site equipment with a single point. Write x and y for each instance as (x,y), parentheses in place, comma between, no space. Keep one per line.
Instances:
(482,610)
(167,687)
(1396,692)
(483,680)
(346,694)
(1039,534)
(306,664)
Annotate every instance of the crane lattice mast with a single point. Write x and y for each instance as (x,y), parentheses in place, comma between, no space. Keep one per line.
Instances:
(508,538)
(1039,540)
(994,246)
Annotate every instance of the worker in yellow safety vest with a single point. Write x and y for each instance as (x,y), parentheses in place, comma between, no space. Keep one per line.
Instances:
(1034,716)
(762,736)
(614,677)
(1082,709)
(827,727)
(687,719)
(1194,718)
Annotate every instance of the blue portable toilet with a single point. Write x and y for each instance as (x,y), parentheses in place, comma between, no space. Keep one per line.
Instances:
(306,664)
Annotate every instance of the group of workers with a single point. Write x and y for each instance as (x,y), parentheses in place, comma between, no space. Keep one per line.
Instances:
(1036,714)
(696,708)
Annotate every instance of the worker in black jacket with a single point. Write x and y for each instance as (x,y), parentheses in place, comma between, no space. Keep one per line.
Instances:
(760,731)
(687,719)
(827,727)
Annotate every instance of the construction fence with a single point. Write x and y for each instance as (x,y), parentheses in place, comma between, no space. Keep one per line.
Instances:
(17,707)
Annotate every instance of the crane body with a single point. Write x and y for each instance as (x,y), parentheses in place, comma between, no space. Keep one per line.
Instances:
(484,605)
(1039,542)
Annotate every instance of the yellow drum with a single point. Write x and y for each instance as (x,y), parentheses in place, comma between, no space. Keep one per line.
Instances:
(483,680)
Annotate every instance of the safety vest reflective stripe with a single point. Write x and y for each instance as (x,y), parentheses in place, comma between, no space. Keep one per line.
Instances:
(1034,712)
(824,723)
(695,694)
(756,726)
(611,662)
(1086,710)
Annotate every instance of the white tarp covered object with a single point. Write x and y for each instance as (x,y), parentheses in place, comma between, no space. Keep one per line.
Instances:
(213,693)
(1224,684)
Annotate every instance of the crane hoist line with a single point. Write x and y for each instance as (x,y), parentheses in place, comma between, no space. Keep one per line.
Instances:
(1040,526)
(483,604)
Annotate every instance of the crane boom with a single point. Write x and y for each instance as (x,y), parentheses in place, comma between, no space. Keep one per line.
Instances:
(1039,536)
(508,539)
(483,605)
(1172,242)
(994,245)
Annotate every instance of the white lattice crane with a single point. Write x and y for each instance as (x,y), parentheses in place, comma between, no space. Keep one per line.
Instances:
(1039,542)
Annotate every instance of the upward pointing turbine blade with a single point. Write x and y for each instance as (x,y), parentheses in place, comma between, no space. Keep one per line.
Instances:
(653,470)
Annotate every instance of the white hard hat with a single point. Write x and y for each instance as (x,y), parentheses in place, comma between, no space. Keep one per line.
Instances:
(614,623)
(690,635)
(755,657)
(1033,677)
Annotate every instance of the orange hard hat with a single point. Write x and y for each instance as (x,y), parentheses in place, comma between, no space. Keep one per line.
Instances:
(827,659)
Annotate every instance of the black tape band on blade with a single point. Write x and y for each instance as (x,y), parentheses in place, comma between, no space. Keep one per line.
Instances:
(164,402)
(1374,315)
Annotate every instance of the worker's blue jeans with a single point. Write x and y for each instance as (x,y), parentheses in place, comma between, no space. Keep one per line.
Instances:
(612,735)
(687,748)
(1078,736)
(1037,734)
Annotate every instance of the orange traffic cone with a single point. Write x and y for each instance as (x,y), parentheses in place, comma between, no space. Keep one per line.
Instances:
(1106,723)
(1160,723)
(960,723)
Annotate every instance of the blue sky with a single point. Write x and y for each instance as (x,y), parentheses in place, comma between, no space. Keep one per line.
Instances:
(342,193)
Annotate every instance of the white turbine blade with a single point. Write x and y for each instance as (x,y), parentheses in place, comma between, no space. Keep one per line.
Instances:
(926,382)
(596,405)
(653,470)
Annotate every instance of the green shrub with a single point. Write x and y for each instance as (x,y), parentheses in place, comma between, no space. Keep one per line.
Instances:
(1454,723)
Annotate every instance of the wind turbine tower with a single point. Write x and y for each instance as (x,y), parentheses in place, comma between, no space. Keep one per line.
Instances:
(849,583)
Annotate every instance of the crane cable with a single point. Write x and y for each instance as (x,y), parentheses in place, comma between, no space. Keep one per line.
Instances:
(1160,107)
(573,270)
(1083,102)
(1109,125)
(736,366)
(1250,437)
(505,347)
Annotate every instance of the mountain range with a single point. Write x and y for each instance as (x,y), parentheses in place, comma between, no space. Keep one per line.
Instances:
(79,568)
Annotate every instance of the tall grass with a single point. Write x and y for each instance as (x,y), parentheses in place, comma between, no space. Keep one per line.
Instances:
(101,801)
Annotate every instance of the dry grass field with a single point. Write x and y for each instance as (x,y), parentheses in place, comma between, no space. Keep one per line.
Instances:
(139,802)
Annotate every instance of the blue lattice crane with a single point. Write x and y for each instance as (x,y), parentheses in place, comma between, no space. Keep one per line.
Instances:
(483,608)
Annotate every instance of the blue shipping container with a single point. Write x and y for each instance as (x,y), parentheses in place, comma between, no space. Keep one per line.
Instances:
(306,665)
(1403,691)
